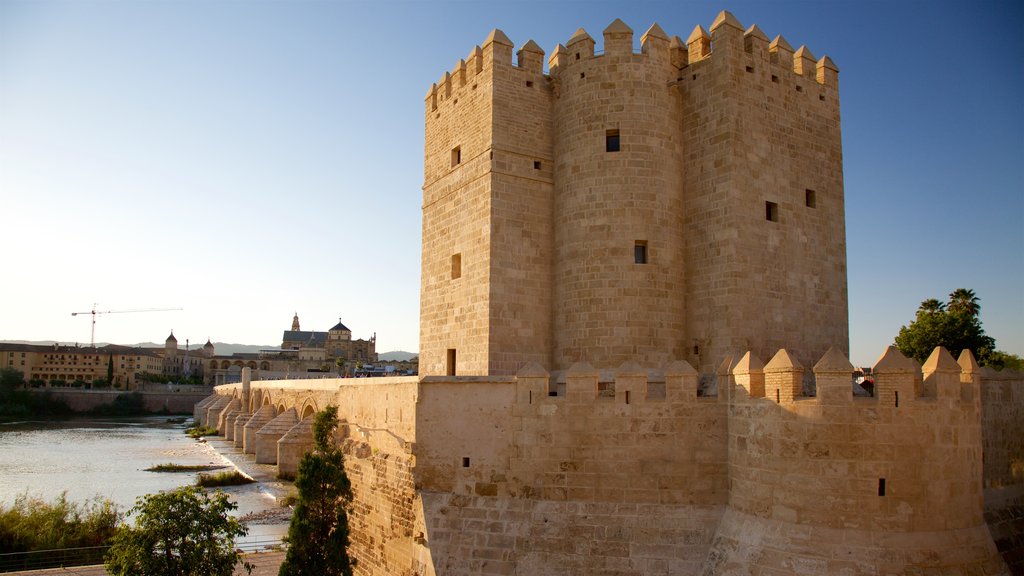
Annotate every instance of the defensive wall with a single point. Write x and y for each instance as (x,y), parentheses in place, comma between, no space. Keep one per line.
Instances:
(636,472)
(88,400)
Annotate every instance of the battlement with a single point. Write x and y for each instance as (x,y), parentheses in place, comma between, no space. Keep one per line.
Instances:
(726,35)
(899,382)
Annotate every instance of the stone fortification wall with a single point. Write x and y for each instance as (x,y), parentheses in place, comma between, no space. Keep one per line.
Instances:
(1002,418)
(87,400)
(633,472)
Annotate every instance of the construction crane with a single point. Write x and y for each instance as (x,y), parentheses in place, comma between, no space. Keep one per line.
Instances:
(94,312)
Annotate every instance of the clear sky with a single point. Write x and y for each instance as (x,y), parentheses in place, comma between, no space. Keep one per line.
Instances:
(248,160)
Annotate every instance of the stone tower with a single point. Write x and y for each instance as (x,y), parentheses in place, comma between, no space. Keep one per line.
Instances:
(295,322)
(676,203)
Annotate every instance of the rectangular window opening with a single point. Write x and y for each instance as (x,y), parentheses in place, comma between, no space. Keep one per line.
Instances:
(810,198)
(456,156)
(529,83)
(627,396)
(456,266)
(750,68)
(694,76)
(775,78)
(771,211)
(451,362)
(821,97)
(465,461)
(897,394)
(583,74)
(799,88)
(536,164)
(640,252)
(881,486)
(611,141)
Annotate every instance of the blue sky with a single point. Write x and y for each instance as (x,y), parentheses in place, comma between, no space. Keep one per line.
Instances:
(247,160)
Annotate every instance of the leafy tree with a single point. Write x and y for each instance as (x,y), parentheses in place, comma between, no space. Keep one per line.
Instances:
(185,532)
(110,369)
(954,325)
(1004,361)
(10,380)
(318,535)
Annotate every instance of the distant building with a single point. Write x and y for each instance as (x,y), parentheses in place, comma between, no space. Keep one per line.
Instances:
(302,353)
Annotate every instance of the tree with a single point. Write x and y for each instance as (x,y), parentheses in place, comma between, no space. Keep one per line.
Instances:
(185,532)
(954,325)
(318,534)
(10,380)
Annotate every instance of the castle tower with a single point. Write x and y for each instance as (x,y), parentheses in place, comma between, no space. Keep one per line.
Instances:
(683,202)
(171,346)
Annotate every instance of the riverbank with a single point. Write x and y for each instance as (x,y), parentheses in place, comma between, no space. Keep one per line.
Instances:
(265,564)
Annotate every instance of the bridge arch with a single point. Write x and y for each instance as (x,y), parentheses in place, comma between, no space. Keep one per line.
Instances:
(308,410)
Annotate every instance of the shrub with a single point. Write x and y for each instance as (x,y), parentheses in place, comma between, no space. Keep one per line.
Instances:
(227,478)
(31,523)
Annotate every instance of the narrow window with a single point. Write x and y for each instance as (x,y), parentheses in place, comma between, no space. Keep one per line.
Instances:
(577,55)
(529,83)
(821,97)
(775,78)
(456,156)
(627,396)
(778,396)
(897,393)
(809,199)
(451,362)
(881,486)
(611,141)
(640,252)
(456,265)
(771,211)
(583,74)
(536,164)
(465,461)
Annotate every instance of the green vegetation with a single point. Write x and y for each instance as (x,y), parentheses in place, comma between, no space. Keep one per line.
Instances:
(185,532)
(954,325)
(182,468)
(125,404)
(318,534)
(227,478)
(198,432)
(161,379)
(34,524)
(16,402)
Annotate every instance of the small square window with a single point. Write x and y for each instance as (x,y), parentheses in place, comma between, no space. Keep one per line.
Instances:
(750,68)
(456,266)
(640,252)
(810,198)
(456,156)
(536,164)
(799,88)
(771,211)
(465,461)
(529,83)
(775,78)
(611,141)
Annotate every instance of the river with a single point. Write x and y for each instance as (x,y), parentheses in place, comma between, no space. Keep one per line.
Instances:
(107,458)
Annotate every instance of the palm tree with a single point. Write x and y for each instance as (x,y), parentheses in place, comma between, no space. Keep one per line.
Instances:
(932,305)
(963,300)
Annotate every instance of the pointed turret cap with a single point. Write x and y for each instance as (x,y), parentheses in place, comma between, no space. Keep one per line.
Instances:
(655,31)
(940,360)
(618,27)
(755,32)
(726,18)
(676,42)
(532,46)
(580,34)
(208,344)
(698,34)
(827,62)
(967,362)
(893,361)
(680,368)
(749,363)
(833,361)
(171,338)
(783,361)
(532,370)
(804,52)
(630,368)
(498,37)
(780,42)
(581,369)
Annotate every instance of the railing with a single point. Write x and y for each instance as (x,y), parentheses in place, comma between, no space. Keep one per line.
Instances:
(42,559)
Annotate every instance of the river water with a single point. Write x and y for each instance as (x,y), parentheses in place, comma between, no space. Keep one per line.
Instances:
(107,458)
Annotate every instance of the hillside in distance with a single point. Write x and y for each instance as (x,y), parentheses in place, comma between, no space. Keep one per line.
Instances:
(221,348)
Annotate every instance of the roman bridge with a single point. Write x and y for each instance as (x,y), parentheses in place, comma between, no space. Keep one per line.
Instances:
(273,420)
